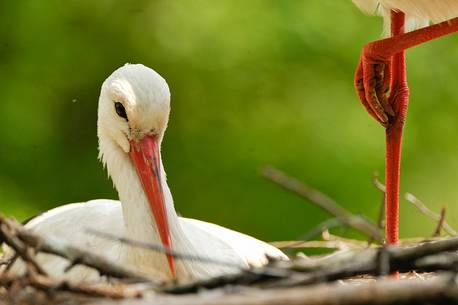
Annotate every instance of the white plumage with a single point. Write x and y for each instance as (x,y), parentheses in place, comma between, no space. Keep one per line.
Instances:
(146,99)
(419,13)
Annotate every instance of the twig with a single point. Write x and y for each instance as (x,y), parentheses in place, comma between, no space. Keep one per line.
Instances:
(62,249)
(381,187)
(440,290)
(262,272)
(344,265)
(298,244)
(440,223)
(381,212)
(368,262)
(351,243)
(4,261)
(161,249)
(47,284)
(440,218)
(10,263)
(424,209)
(325,225)
(322,201)
(115,291)
(376,182)
(10,237)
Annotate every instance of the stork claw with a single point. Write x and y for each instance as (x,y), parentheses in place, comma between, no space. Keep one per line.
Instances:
(372,83)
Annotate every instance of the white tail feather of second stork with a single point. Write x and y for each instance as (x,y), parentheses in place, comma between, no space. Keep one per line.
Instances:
(419,13)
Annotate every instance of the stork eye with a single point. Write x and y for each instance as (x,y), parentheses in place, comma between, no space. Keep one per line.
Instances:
(121,111)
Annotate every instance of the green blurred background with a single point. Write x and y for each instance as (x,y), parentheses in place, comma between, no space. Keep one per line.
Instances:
(253,83)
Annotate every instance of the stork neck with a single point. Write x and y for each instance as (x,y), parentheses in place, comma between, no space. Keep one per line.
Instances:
(139,222)
(138,218)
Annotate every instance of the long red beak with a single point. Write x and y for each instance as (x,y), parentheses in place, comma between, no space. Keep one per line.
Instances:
(147,159)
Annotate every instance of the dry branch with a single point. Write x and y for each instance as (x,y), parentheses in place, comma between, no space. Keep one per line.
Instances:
(373,261)
(161,249)
(9,235)
(440,223)
(115,291)
(438,290)
(300,281)
(381,187)
(323,201)
(442,289)
(323,244)
(47,284)
(13,232)
(424,209)
(378,184)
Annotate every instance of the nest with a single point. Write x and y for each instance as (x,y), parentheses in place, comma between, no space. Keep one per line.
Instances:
(417,271)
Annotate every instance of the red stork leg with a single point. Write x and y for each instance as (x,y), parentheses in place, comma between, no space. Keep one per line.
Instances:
(382,70)
(399,102)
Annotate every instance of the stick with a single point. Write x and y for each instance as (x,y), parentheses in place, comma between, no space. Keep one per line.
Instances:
(114,291)
(47,284)
(440,290)
(161,249)
(299,244)
(372,261)
(62,249)
(419,258)
(440,218)
(424,209)
(19,247)
(4,261)
(321,227)
(440,223)
(323,201)
(381,187)
(318,230)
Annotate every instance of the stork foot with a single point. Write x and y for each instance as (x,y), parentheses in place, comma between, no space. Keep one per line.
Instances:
(372,83)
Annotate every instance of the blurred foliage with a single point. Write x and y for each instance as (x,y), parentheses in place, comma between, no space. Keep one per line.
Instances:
(253,82)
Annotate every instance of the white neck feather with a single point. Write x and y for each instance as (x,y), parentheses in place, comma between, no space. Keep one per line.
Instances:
(139,222)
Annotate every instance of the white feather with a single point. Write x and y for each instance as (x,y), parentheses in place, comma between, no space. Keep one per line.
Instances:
(70,222)
(419,13)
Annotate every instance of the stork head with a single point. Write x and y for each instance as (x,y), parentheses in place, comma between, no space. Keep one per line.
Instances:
(134,108)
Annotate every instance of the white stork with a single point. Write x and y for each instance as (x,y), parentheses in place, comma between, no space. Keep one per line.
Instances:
(133,112)
(381,81)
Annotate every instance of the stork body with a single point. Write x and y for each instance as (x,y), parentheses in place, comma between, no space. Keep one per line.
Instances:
(381,79)
(133,114)
(419,13)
